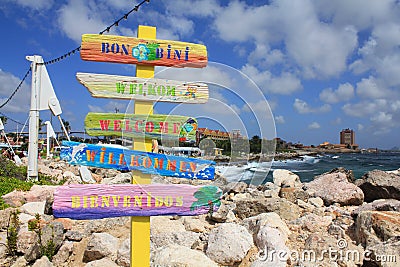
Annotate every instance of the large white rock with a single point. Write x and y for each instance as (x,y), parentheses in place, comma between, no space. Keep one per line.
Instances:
(273,250)
(286,178)
(33,208)
(100,245)
(229,243)
(102,263)
(272,219)
(179,256)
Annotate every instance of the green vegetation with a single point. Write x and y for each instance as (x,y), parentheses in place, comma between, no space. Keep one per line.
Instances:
(12,233)
(13,177)
(48,249)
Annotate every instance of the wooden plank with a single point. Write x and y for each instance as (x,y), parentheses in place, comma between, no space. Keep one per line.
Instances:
(111,157)
(144,51)
(96,201)
(141,126)
(124,87)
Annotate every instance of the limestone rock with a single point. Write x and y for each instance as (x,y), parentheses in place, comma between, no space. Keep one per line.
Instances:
(120,178)
(293,194)
(271,219)
(385,254)
(316,202)
(33,208)
(162,224)
(377,226)
(124,253)
(335,188)
(286,178)
(43,262)
(270,240)
(194,224)
(184,238)
(228,243)
(63,254)
(235,187)
(252,207)
(179,256)
(222,214)
(378,184)
(100,245)
(314,223)
(379,205)
(102,263)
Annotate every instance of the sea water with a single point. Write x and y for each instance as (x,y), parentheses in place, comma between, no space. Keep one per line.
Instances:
(307,167)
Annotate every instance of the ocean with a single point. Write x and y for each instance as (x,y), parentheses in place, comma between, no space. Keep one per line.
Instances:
(307,167)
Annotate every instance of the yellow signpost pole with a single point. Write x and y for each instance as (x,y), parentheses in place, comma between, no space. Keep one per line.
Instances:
(140,226)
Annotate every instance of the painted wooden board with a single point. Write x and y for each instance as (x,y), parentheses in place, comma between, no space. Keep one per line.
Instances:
(123,87)
(96,201)
(131,50)
(112,157)
(141,126)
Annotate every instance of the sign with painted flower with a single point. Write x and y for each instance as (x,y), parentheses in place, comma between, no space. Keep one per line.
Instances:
(141,126)
(95,201)
(154,52)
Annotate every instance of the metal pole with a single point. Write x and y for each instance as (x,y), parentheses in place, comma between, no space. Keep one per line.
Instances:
(34,120)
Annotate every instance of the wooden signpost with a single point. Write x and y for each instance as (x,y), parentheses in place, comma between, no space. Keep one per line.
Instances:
(123,87)
(103,156)
(143,51)
(94,201)
(141,126)
(139,199)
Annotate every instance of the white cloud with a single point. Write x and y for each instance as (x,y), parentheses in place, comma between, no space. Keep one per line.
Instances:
(279,119)
(360,127)
(76,18)
(302,107)
(344,93)
(285,84)
(97,109)
(369,88)
(21,100)
(36,5)
(314,125)
(198,8)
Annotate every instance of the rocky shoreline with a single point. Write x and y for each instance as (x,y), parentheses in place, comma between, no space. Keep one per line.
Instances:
(330,221)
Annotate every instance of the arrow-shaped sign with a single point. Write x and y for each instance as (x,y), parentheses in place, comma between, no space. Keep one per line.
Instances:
(130,50)
(123,87)
(111,157)
(96,201)
(141,126)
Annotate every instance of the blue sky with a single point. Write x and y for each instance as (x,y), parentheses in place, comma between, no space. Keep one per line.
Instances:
(307,67)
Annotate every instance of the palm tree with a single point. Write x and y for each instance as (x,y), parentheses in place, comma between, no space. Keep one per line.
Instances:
(66,125)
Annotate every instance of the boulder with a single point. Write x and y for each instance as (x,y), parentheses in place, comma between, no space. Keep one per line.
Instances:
(269,189)
(222,214)
(271,244)
(378,184)
(180,256)
(251,207)
(385,254)
(286,178)
(229,243)
(63,254)
(43,262)
(102,263)
(124,253)
(314,223)
(271,219)
(163,224)
(379,205)
(33,208)
(293,194)
(373,227)
(235,187)
(120,178)
(335,188)
(184,238)
(100,245)
(316,202)
(194,224)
